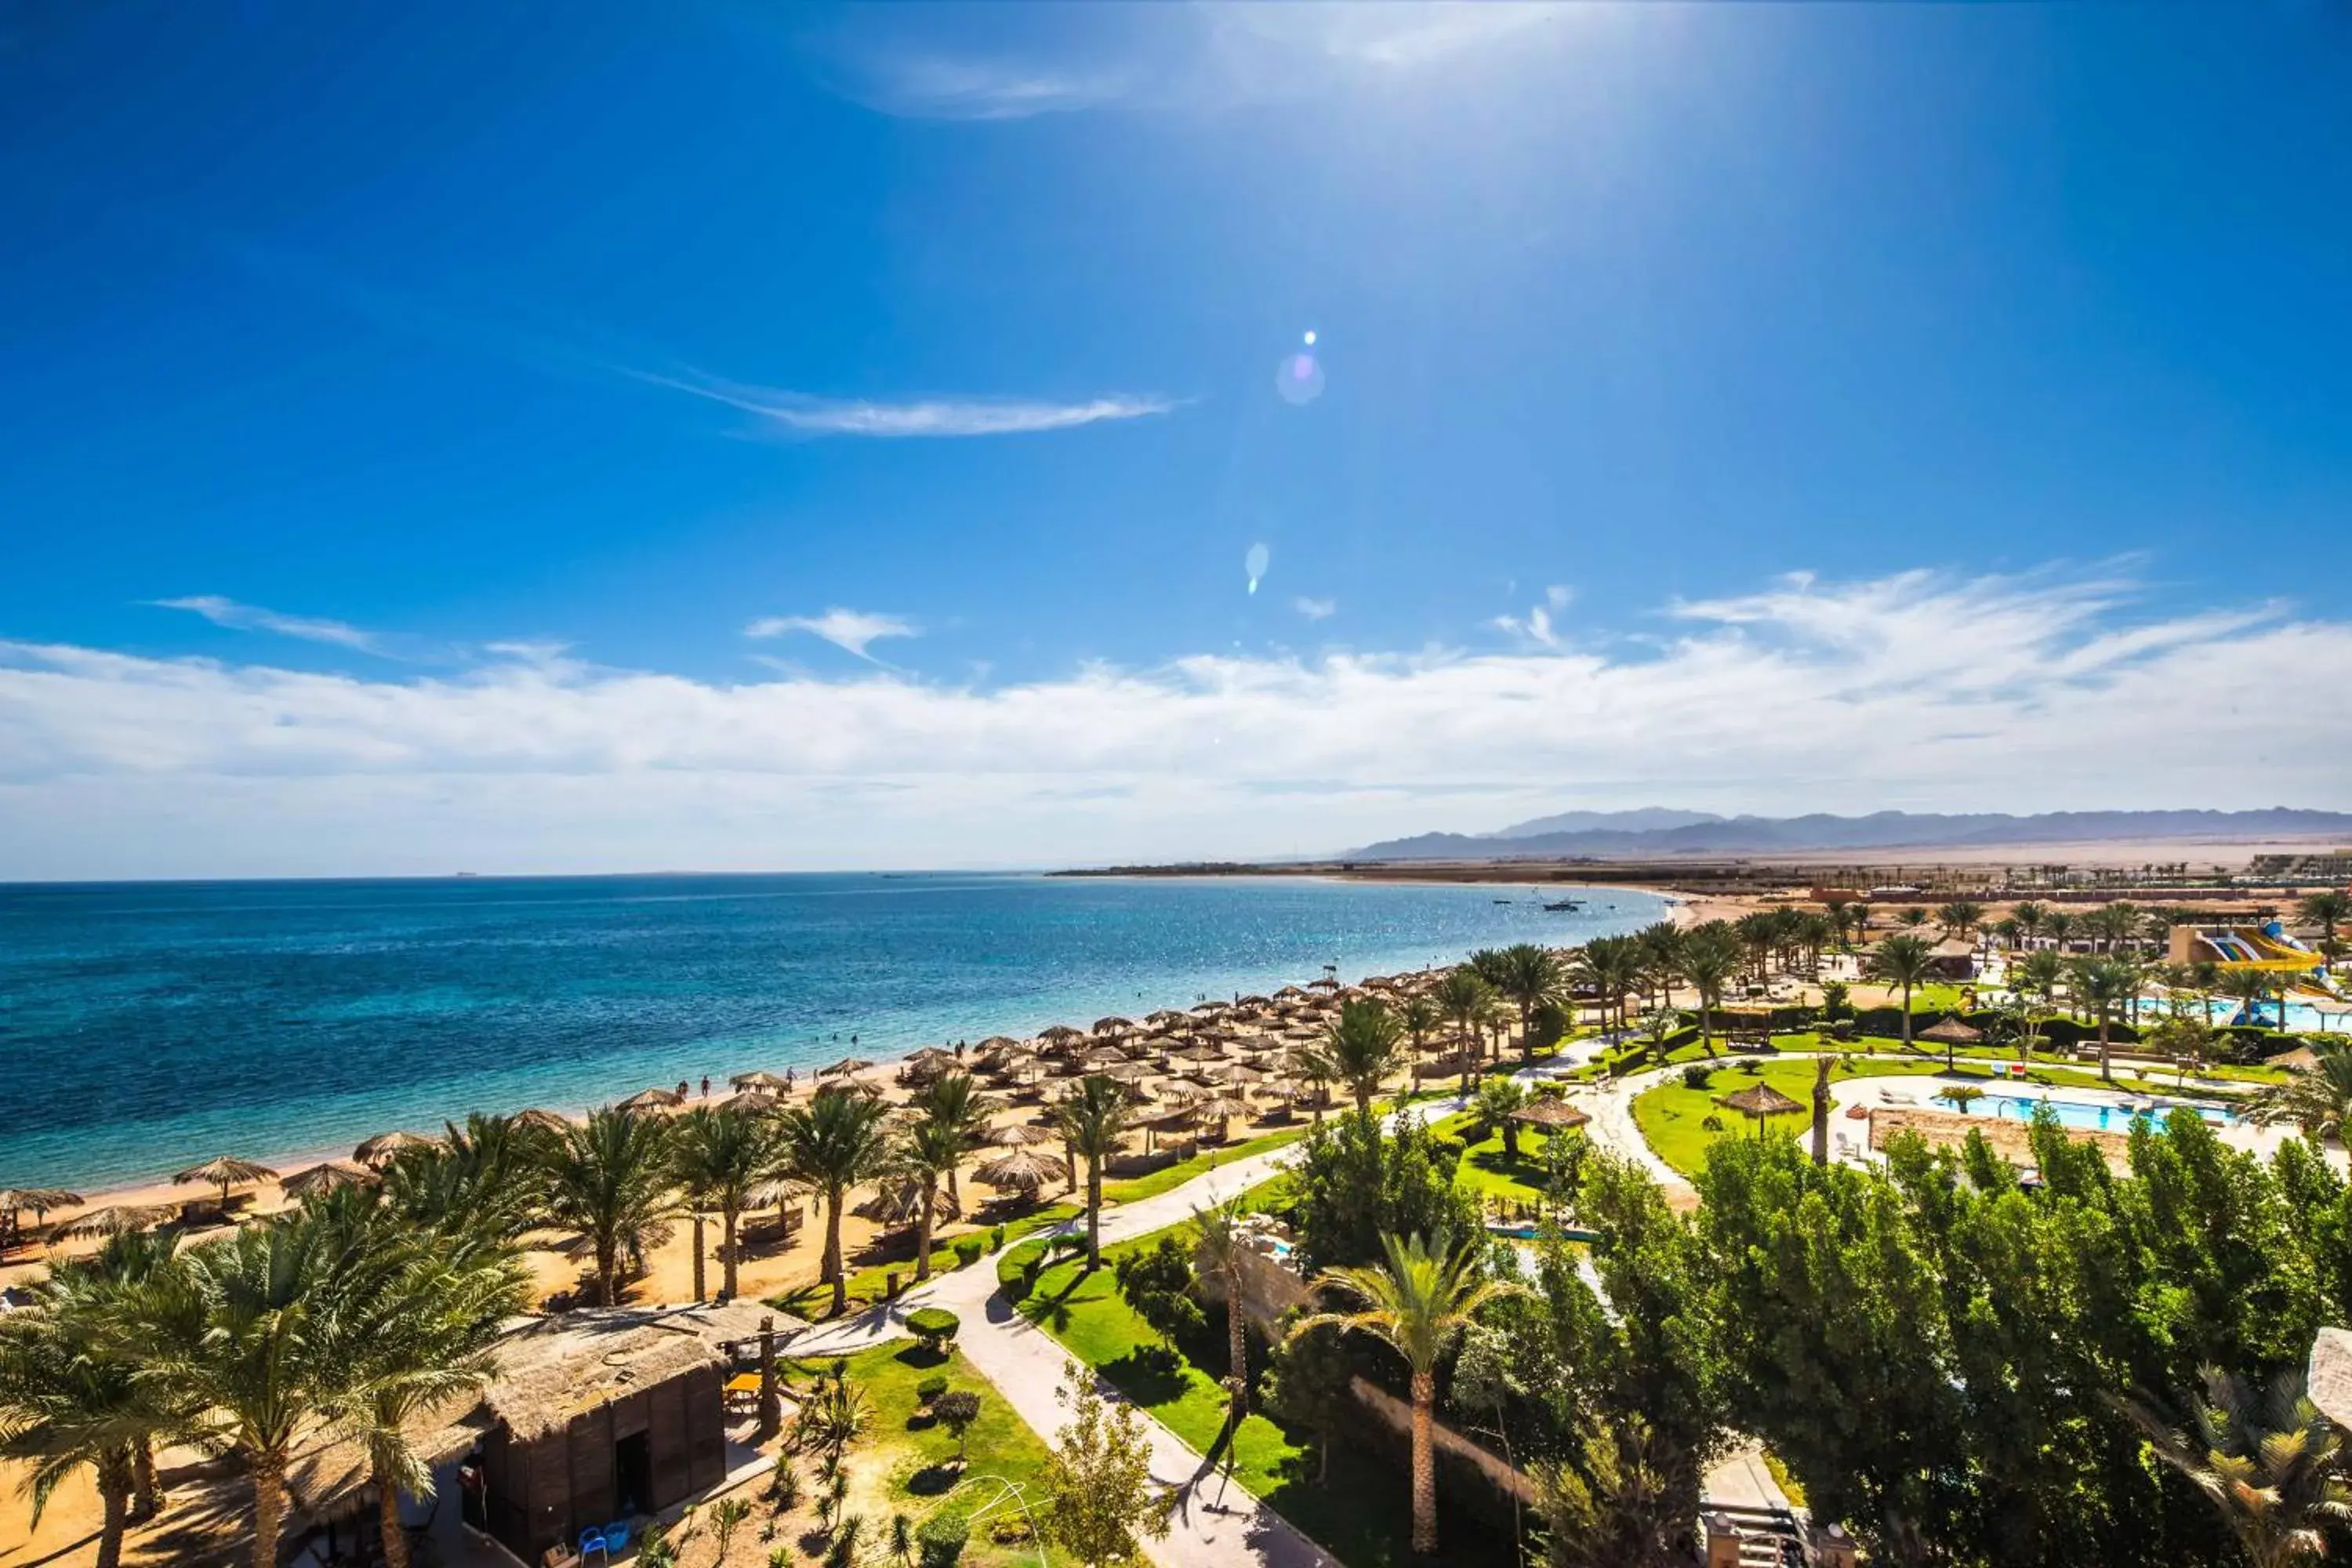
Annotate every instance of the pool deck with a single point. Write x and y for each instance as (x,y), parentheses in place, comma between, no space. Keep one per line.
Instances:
(1920,1094)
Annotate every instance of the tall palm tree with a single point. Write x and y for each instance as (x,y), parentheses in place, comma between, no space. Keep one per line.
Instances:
(1532,977)
(2060,924)
(1092,1120)
(1366,1045)
(2316,1099)
(1219,1251)
(2268,1464)
(1416,1301)
(419,1338)
(2327,909)
(486,1178)
(1815,932)
(1418,1016)
(609,1184)
(258,1335)
(952,1101)
(1960,918)
(1838,911)
(1612,965)
(1308,1062)
(1662,955)
(72,1396)
(1756,937)
(1467,1000)
(2099,984)
(834,1143)
(1905,961)
(930,1150)
(1710,957)
(2249,988)
(719,1156)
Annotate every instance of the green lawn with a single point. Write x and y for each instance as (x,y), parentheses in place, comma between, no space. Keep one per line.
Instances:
(1672,1116)
(1199,1164)
(906,1462)
(1487,1171)
(814,1302)
(1362,1513)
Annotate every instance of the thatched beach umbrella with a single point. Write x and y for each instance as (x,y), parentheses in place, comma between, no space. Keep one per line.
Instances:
(225,1171)
(1549,1113)
(897,1204)
(865,1087)
(1114,1025)
(652,1099)
(845,1067)
(324,1178)
(544,1121)
(1950,1030)
(998,1043)
(775,1194)
(1164,1015)
(1221,1108)
(750,1102)
(773,1083)
(382,1148)
(40,1200)
(1016,1135)
(1025,1169)
(115,1219)
(1760,1101)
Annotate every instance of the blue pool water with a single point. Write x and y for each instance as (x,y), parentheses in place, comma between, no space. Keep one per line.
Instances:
(144,1027)
(2086,1114)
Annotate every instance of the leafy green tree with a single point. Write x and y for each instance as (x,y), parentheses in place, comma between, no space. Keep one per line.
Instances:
(1498,1099)
(1307,1384)
(1157,1282)
(719,1155)
(1609,1511)
(1093,1119)
(956,1410)
(608,1182)
(2316,1099)
(1365,1047)
(1101,1503)
(1358,1182)
(2187,1038)
(1416,1301)
(834,1143)
(2268,1464)
(1906,962)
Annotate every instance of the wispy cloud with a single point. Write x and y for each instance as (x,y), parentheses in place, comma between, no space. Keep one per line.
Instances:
(806,415)
(1803,695)
(854,630)
(1315,609)
(254,619)
(937,87)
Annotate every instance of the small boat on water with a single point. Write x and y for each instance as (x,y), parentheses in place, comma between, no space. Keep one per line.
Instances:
(1559,904)
(1502,900)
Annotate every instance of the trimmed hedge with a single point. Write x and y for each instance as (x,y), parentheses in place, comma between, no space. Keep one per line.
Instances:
(935,1327)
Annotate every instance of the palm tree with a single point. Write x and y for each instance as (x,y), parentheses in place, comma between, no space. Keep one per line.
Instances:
(1532,977)
(1498,1099)
(419,1340)
(258,1335)
(1709,960)
(930,1150)
(1365,1046)
(485,1179)
(1093,1121)
(1838,911)
(719,1156)
(1467,1000)
(1223,1242)
(1662,955)
(1309,1062)
(2268,1465)
(72,1396)
(2061,926)
(952,1100)
(1416,1301)
(2315,1099)
(1904,961)
(1612,965)
(609,1185)
(1418,1016)
(2008,932)
(834,1143)
(2327,908)
(2249,988)
(2098,985)
(1960,918)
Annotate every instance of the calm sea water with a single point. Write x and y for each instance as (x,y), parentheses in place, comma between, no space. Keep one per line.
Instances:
(146,1027)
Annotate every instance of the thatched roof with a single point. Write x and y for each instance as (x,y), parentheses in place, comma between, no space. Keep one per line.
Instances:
(1951,1029)
(324,1178)
(115,1218)
(1023,1168)
(537,1116)
(40,1200)
(773,1082)
(1759,1100)
(653,1099)
(843,1067)
(380,1149)
(224,1169)
(896,1204)
(1550,1112)
(1016,1135)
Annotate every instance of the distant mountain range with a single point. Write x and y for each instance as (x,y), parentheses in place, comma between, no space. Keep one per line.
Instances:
(1661,831)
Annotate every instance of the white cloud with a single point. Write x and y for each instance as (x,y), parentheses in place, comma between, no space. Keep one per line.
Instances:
(936,87)
(1917,692)
(800,414)
(1315,609)
(254,619)
(1533,629)
(1558,595)
(856,630)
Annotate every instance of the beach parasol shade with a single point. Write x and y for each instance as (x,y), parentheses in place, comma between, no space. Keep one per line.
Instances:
(1114,1025)
(895,1204)
(379,1149)
(867,1087)
(1165,1016)
(1016,1135)
(750,1102)
(998,1043)
(1023,1168)
(844,1067)
(225,1171)
(1760,1101)
(775,1193)
(324,1178)
(1550,1112)
(652,1099)
(116,1218)
(1221,1108)
(1060,1032)
(546,1121)
(773,1082)
(1951,1031)
(40,1200)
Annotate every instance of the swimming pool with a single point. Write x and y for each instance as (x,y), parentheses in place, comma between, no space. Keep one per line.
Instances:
(2089,1115)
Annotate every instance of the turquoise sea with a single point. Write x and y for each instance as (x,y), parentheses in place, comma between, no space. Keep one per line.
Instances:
(146,1027)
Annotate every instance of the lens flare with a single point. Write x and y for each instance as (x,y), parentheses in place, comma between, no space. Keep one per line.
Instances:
(1298,379)
(1310,337)
(1254,563)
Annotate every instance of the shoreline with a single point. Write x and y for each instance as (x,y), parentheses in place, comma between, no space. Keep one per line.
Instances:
(158,1187)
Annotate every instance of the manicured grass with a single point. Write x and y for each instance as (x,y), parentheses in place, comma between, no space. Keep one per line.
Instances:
(906,1464)
(1672,1116)
(1487,1171)
(1362,1513)
(1199,1164)
(814,1302)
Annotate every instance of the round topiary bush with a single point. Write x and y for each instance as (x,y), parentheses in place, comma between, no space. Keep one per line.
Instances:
(969,1250)
(934,1327)
(930,1389)
(1695,1076)
(940,1540)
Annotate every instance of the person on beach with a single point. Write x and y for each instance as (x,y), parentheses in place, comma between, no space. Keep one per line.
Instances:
(705,1086)
(682,1086)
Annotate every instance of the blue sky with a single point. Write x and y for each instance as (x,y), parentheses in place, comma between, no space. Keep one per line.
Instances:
(788,436)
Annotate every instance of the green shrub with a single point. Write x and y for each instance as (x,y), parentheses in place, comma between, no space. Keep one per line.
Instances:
(969,1250)
(939,1543)
(930,1388)
(1695,1075)
(1712,1124)
(1157,1282)
(996,1239)
(934,1327)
